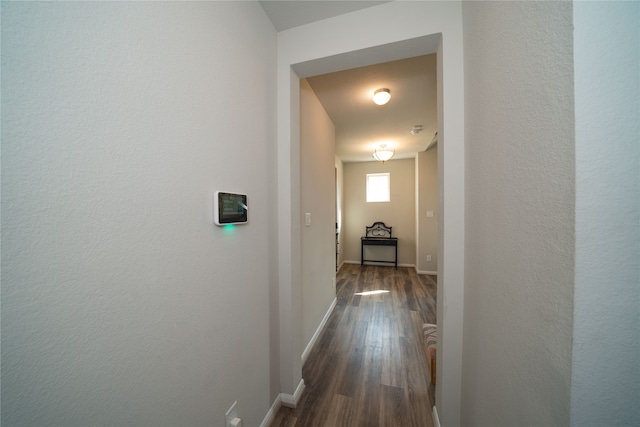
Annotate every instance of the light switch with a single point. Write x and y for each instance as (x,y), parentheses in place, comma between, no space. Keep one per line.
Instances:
(307,219)
(429,214)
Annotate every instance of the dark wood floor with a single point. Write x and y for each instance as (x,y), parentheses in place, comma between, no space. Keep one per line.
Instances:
(369,366)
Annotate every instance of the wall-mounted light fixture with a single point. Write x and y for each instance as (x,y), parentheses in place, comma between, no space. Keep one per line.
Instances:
(381,96)
(383,154)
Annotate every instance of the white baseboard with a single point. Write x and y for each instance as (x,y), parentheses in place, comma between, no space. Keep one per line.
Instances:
(381,264)
(405,265)
(315,336)
(291,401)
(434,415)
(288,400)
(273,411)
(430,273)
(283,399)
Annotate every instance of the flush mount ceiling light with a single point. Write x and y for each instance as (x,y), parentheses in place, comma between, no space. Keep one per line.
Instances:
(416,129)
(383,154)
(381,96)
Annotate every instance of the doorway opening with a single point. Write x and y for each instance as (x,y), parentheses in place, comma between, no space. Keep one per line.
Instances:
(295,64)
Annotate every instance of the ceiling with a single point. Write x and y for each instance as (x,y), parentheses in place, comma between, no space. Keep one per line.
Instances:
(289,14)
(361,125)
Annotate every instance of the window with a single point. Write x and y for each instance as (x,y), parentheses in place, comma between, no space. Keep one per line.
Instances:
(378,187)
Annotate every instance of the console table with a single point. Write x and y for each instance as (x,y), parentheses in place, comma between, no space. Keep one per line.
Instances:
(378,235)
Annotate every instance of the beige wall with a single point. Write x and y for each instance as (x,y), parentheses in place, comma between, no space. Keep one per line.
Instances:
(427,193)
(317,198)
(399,213)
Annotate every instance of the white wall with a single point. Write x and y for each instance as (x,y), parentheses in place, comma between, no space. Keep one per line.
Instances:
(317,198)
(399,213)
(520,190)
(122,303)
(339,168)
(427,200)
(345,42)
(605,383)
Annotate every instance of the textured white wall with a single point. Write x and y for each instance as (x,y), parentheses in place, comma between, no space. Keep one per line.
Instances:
(520,192)
(122,303)
(399,213)
(317,197)
(605,386)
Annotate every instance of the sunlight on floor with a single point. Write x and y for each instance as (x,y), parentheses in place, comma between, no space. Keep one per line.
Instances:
(372,292)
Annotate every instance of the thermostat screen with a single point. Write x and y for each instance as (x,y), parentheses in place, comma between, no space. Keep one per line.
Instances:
(230,208)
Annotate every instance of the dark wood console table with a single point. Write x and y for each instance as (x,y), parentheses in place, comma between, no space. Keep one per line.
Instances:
(378,235)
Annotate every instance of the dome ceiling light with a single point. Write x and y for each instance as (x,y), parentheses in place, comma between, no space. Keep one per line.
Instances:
(381,96)
(383,153)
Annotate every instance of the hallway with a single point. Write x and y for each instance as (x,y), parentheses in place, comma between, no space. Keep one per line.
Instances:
(369,366)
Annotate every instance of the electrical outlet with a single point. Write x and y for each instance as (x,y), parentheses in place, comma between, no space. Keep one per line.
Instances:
(231,414)
(333,282)
(428,257)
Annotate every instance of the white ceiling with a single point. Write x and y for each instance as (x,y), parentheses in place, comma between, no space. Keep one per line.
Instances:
(289,14)
(361,125)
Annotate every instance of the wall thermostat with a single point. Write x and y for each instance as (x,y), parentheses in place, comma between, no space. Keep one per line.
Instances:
(230,208)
